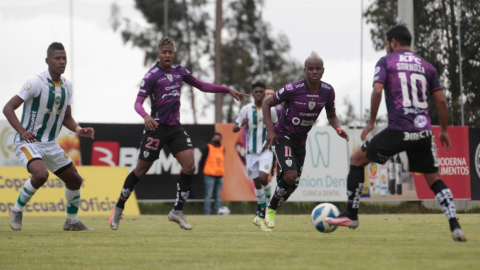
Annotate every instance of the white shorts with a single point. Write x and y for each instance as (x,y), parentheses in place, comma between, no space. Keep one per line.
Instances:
(259,162)
(51,153)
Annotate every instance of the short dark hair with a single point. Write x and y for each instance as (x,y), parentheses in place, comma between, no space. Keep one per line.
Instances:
(270,87)
(401,34)
(55,46)
(259,84)
(217,133)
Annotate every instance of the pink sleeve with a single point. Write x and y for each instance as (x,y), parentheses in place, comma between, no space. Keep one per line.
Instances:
(139,106)
(208,87)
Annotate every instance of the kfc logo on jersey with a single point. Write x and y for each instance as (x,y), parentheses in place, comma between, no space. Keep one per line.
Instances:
(377,69)
(142,84)
(281,91)
(289,87)
(311,105)
(105,153)
(409,58)
(147,75)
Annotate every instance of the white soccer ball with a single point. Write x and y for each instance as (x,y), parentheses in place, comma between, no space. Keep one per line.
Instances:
(320,212)
(223,211)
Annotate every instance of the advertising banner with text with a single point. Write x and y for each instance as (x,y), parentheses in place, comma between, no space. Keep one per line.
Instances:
(99,192)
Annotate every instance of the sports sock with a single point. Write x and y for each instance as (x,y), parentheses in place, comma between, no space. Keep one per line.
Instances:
(261,199)
(183,191)
(268,191)
(280,191)
(355,182)
(130,183)
(444,197)
(73,202)
(25,195)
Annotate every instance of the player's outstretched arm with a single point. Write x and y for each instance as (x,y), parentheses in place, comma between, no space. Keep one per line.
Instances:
(72,125)
(267,118)
(238,127)
(375,103)
(442,109)
(333,120)
(213,88)
(9,112)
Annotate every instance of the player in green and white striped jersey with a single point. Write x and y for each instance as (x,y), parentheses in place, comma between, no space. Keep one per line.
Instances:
(259,159)
(46,100)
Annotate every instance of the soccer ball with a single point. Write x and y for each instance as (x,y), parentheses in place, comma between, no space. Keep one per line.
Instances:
(223,211)
(320,212)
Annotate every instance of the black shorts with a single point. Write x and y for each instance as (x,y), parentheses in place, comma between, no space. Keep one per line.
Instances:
(289,157)
(420,147)
(154,140)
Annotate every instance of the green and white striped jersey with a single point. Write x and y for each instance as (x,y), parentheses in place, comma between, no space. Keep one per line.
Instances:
(45,103)
(256,130)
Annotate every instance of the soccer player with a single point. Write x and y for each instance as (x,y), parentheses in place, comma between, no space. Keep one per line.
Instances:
(259,159)
(407,79)
(46,102)
(303,101)
(162,83)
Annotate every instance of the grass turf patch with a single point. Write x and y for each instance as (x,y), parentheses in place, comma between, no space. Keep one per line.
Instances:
(399,241)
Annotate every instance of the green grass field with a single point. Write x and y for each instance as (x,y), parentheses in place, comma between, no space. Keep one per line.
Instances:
(233,242)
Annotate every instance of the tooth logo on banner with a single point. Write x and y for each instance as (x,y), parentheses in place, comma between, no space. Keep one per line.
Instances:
(288,162)
(311,105)
(477,159)
(169,77)
(322,150)
(145,154)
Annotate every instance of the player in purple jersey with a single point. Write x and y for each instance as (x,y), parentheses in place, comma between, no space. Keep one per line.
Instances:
(407,79)
(162,83)
(303,101)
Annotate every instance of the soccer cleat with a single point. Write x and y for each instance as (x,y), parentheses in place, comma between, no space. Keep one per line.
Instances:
(75,227)
(458,235)
(343,220)
(115,217)
(260,222)
(178,217)
(270,217)
(16,220)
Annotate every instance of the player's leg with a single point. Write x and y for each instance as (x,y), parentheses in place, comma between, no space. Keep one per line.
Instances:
(423,158)
(383,145)
(265,168)
(31,156)
(39,175)
(186,160)
(150,147)
(253,173)
(181,147)
(355,182)
(444,197)
(286,159)
(209,184)
(217,194)
(73,182)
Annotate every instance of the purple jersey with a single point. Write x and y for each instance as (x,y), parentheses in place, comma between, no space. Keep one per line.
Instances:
(407,80)
(301,109)
(164,89)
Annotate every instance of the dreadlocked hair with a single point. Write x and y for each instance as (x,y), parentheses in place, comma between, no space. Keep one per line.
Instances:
(166,41)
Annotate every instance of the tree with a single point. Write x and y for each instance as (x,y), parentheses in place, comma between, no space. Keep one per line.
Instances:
(187,23)
(194,37)
(435,27)
(241,52)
